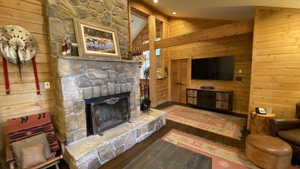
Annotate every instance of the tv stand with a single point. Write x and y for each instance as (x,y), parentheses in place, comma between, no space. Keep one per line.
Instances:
(218,100)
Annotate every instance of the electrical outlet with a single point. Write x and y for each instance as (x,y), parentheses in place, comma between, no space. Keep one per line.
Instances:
(47,85)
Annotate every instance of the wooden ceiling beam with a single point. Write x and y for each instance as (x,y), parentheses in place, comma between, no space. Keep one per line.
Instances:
(147,10)
(208,34)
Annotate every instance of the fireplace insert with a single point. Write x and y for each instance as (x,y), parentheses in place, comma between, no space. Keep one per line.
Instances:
(106,112)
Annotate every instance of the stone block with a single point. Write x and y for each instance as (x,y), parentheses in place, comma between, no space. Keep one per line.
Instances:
(70,90)
(104,90)
(106,153)
(97,82)
(120,149)
(78,107)
(112,75)
(98,74)
(128,87)
(96,91)
(130,139)
(111,88)
(123,88)
(87,92)
(89,161)
(83,81)
(71,122)
(151,126)
(117,88)
(142,131)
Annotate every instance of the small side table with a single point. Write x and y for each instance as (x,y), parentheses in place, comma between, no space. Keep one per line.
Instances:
(259,123)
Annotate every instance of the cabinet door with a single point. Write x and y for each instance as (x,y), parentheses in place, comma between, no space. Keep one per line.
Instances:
(192,97)
(207,99)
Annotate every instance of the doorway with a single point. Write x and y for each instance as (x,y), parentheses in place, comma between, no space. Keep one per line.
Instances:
(179,80)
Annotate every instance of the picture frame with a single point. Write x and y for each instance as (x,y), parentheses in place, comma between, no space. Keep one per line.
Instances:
(96,41)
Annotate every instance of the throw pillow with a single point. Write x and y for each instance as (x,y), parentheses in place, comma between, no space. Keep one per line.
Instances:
(42,138)
(32,156)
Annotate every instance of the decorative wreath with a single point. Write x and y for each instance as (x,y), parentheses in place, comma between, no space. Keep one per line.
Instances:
(17,45)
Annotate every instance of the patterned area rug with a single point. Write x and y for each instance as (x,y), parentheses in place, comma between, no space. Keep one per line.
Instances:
(223,157)
(221,124)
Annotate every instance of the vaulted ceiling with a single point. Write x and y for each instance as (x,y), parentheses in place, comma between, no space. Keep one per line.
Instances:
(217,9)
(137,25)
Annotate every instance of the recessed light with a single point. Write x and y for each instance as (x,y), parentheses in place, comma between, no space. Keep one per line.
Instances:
(174,13)
(155,1)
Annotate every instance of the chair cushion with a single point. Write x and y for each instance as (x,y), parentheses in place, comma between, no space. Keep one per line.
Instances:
(38,139)
(32,156)
(292,136)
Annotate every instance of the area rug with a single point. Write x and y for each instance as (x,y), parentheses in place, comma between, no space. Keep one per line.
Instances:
(223,157)
(164,155)
(221,124)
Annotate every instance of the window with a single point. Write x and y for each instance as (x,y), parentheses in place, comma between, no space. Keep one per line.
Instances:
(146,64)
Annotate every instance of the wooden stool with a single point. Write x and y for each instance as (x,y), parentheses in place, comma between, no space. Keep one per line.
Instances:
(268,152)
(259,123)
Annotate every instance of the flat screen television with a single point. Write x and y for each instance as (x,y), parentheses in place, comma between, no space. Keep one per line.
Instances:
(217,68)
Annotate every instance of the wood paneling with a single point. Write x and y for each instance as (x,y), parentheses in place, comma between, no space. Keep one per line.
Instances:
(161,88)
(153,65)
(23,99)
(222,31)
(184,26)
(238,46)
(275,81)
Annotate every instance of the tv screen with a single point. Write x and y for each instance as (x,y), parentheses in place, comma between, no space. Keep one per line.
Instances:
(217,68)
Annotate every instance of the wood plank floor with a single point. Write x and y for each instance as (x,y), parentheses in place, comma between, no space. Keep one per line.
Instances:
(162,154)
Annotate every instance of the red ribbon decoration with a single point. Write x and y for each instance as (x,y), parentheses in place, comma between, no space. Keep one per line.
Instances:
(6,78)
(37,84)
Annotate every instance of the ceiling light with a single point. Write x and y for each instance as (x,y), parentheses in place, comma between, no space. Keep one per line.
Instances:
(155,1)
(174,13)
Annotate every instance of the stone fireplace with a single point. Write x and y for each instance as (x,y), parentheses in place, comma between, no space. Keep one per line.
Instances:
(106,112)
(97,102)
(87,86)
(98,109)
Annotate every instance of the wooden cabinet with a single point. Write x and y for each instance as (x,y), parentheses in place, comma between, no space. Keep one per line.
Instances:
(210,99)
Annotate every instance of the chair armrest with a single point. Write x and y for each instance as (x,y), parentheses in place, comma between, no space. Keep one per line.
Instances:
(277,124)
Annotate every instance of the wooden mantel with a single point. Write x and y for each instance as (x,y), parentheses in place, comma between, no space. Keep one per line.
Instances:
(208,34)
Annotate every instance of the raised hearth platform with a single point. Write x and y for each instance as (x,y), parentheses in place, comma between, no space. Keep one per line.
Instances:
(93,151)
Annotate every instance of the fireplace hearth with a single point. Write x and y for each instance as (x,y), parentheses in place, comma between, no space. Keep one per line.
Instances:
(103,113)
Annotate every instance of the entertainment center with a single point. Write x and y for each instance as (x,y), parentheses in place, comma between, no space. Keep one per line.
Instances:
(210,99)
(207,97)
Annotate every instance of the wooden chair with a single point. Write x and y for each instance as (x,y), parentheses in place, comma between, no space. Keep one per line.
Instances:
(18,129)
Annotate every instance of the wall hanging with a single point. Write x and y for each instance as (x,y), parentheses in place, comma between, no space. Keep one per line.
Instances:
(17,46)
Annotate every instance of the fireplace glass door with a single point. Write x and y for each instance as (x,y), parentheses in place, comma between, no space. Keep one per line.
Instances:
(107,112)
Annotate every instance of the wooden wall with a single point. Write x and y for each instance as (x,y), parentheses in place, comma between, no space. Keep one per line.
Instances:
(160,86)
(23,99)
(275,80)
(238,46)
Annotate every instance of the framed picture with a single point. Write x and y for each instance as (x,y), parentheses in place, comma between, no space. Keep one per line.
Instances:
(95,40)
